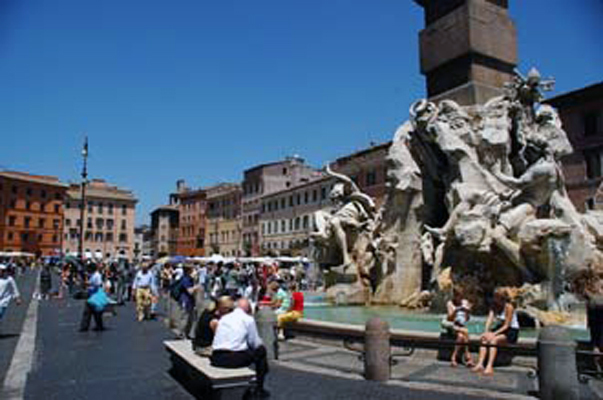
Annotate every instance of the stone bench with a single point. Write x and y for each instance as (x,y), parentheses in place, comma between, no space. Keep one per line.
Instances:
(202,379)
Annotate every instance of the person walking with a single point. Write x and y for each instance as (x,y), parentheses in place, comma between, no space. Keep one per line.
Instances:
(144,288)
(45,282)
(95,283)
(186,301)
(8,290)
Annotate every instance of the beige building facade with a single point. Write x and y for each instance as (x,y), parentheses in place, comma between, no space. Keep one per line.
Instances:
(287,217)
(223,229)
(109,218)
(263,180)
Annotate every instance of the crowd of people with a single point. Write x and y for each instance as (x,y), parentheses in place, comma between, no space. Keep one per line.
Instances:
(214,304)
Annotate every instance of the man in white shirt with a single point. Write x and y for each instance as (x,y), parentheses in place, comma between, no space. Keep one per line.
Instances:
(237,344)
(144,288)
(8,290)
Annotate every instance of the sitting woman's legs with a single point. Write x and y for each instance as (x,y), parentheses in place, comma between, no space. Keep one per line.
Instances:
(499,339)
(483,352)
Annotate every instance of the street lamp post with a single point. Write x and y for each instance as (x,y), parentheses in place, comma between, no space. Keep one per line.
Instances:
(83,198)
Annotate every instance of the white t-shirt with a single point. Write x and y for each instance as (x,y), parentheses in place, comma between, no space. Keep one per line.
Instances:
(8,290)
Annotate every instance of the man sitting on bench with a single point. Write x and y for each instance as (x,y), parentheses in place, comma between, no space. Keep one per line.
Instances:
(237,344)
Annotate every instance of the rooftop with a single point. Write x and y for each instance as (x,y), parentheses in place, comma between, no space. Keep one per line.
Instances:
(363,152)
(100,189)
(40,179)
(578,96)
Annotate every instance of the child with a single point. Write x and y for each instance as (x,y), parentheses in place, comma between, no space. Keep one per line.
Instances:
(458,313)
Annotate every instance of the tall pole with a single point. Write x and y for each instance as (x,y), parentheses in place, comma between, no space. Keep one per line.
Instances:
(83,198)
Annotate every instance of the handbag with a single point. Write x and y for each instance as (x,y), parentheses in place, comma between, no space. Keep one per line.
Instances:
(98,300)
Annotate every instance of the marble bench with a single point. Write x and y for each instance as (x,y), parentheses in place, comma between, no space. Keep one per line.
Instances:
(202,379)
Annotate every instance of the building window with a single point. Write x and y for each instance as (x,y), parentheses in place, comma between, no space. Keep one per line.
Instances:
(123,224)
(291,201)
(99,223)
(306,197)
(56,223)
(371,178)
(27,205)
(27,221)
(297,223)
(298,199)
(43,194)
(40,237)
(100,208)
(98,237)
(590,203)
(41,223)
(314,196)
(24,237)
(57,208)
(283,203)
(306,222)
(109,237)
(12,220)
(13,203)
(10,236)
(124,209)
(89,223)
(67,222)
(110,208)
(593,164)
(88,235)
(57,196)
(28,192)
(55,238)
(283,226)
(90,205)
(323,193)
(14,189)
(591,123)
(284,171)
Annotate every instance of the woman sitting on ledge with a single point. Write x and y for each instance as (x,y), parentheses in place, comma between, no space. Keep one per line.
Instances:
(502,327)
(456,324)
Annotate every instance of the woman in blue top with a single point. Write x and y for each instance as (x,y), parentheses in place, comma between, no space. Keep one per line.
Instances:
(502,327)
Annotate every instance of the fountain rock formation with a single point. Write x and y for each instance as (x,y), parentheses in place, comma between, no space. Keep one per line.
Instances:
(477,189)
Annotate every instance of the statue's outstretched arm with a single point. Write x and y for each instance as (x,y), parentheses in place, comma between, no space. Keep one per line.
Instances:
(343,178)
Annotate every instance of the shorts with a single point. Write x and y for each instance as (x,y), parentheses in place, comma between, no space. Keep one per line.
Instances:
(512,335)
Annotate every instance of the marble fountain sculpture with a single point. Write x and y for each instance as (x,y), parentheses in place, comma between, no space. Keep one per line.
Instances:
(476,199)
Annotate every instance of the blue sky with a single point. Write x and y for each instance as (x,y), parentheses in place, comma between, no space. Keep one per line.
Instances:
(202,90)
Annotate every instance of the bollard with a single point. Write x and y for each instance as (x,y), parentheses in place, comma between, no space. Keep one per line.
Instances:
(557,371)
(377,351)
(265,319)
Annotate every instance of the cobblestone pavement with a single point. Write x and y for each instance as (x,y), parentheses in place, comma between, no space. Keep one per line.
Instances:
(128,362)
